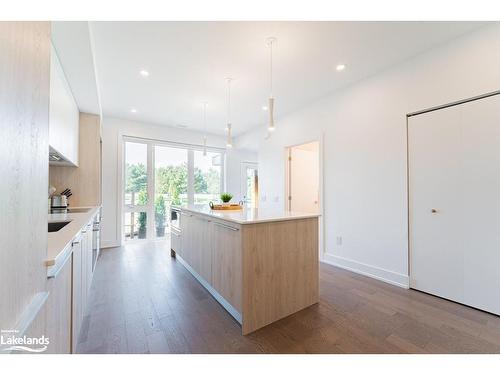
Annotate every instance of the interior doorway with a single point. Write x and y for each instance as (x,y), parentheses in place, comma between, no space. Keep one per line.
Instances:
(303,177)
(250,184)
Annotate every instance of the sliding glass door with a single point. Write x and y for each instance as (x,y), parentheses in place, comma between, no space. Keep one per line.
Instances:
(136,190)
(171,183)
(159,174)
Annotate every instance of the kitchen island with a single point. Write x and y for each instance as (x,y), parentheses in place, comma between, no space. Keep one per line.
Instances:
(260,265)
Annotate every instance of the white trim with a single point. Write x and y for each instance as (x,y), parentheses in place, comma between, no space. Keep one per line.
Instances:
(378,273)
(109,244)
(230,309)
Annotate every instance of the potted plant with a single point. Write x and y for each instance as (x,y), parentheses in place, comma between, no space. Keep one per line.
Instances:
(226,197)
(142,219)
(160,216)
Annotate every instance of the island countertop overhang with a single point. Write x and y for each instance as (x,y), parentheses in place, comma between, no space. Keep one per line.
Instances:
(247,215)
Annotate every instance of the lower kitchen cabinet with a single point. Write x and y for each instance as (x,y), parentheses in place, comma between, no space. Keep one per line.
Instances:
(227,270)
(58,307)
(77,292)
(175,240)
(201,251)
(82,280)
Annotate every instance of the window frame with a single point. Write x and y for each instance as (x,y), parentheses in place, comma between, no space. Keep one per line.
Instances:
(150,170)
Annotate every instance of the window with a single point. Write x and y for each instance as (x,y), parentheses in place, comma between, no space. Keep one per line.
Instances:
(159,174)
(207,177)
(171,182)
(136,190)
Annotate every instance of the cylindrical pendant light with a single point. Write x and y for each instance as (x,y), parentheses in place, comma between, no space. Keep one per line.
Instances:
(229,143)
(270,125)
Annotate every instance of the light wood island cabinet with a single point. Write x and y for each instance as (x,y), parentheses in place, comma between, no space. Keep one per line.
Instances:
(261,266)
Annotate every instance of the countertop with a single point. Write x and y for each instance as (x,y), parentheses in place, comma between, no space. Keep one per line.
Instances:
(58,241)
(248,215)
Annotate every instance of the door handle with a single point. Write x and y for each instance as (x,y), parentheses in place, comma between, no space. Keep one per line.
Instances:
(434,210)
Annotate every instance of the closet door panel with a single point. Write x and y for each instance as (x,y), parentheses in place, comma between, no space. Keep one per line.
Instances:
(481,184)
(436,203)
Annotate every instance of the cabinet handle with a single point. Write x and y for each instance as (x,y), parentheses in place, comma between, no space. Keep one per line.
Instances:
(226,226)
(53,274)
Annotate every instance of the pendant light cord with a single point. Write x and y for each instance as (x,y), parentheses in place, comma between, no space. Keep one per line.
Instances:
(271,67)
(205,117)
(229,100)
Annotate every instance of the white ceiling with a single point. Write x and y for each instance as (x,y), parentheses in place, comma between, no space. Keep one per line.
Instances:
(189,61)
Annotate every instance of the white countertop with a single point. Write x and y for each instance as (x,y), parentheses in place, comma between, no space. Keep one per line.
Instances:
(248,215)
(58,241)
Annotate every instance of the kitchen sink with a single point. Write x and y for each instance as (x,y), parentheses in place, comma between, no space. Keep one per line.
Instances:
(57,225)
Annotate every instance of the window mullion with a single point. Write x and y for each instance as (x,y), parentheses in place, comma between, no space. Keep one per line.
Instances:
(151,192)
(190,187)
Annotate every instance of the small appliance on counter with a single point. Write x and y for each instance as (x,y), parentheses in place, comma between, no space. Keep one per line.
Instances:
(59,202)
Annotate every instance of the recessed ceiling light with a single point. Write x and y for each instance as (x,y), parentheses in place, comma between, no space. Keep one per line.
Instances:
(133,110)
(340,67)
(144,73)
(264,108)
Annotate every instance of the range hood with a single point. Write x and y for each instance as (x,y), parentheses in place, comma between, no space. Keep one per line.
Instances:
(55,158)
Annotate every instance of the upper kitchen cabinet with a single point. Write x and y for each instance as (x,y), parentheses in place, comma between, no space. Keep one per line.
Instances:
(63,117)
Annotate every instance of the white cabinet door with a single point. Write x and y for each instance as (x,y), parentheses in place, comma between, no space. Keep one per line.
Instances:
(63,114)
(77,313)
(186,236)
(454,180)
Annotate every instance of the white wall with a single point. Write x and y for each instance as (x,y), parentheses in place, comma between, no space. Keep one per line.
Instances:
(113,130)
(233,169)
(364,149)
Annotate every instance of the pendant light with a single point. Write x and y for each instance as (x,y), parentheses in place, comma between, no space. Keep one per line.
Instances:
(229,143)
(270,126)
(205,128)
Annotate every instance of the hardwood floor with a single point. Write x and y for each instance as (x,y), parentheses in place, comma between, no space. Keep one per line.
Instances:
(143,301)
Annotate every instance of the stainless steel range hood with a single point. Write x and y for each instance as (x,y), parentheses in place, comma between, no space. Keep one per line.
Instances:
(55,158)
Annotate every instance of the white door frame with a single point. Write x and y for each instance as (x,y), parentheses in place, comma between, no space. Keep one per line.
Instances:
(321,224)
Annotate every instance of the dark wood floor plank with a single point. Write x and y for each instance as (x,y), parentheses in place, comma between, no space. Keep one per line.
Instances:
(144,301)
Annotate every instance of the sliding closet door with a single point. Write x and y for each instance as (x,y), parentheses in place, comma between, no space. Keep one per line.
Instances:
(481,184)
(436,220)
(454,185)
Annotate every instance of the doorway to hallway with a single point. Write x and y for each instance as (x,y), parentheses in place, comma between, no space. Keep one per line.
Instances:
(303,177)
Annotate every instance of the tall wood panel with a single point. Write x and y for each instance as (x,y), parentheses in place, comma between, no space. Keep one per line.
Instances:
(24,146)
(280,270)
(84,181)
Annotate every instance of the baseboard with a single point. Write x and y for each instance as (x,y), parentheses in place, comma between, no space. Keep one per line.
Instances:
(107,244)
(378,273)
